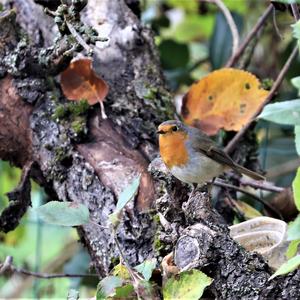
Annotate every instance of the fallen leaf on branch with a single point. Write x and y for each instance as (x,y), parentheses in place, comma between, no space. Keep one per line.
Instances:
(226,98)
(248,211)
(79,81)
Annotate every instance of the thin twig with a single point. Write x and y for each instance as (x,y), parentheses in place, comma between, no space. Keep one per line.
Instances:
(8,266)
(236,55)
(230,146)
(295,11)
(233,205)
(49,276)
(275,25)
(262,185)
(78,38)
(136,278)
(131,273)
(230,22)
(236,188)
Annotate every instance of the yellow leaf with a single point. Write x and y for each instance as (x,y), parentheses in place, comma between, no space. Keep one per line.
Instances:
(248,211)
(226,98)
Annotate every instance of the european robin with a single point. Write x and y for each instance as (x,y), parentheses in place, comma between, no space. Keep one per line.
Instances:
(192,157)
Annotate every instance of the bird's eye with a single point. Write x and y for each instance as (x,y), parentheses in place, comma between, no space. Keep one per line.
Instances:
(174,128)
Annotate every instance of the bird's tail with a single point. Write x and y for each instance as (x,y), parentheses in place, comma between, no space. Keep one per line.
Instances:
(248,172)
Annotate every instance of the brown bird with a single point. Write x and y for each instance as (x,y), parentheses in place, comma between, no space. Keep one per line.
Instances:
(192,157)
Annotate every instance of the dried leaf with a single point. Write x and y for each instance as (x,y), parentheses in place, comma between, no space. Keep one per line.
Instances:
(248,211)
(284,203)
(226,98)
(79,81)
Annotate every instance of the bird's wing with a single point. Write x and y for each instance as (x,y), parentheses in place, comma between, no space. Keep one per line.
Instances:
(210,149)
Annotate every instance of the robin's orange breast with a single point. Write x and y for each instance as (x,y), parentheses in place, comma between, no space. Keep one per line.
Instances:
(173,149)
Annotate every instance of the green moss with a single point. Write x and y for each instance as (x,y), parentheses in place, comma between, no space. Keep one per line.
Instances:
(59,113)
(78,125)
(156,219)
(115,261)
(151,94)
(70,110)
(60,154)
(266,84)
(157,244)
(77,108)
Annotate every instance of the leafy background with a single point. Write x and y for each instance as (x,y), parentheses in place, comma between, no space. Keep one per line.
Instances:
(193,39)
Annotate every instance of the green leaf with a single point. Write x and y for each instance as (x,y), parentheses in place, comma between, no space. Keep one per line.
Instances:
(107,287)
(146,268)
(173,54)
(64,213)
(296,30)
(73,295)
(296,189)
(187,285)
(128,193)
(124,198)
(240,6)
(297,138)
(188,30)
(291,265)
(292,249)
(124,292)
(220,47)
(115,218)
(189,6)
(121,271)
(296,83)
(293,231)
(285,112)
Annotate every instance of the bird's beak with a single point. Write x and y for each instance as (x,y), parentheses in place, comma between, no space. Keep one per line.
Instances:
(160,132)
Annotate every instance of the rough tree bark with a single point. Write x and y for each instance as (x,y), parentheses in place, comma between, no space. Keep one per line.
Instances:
(93,167)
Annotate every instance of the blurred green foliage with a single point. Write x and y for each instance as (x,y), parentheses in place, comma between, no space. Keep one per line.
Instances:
(37,246)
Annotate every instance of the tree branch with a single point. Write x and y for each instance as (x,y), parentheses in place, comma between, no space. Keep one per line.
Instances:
(238,189)
(262,185)
(236,55)
(7,266)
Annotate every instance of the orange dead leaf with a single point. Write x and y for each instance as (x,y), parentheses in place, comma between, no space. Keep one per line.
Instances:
(226,98)
(79,81)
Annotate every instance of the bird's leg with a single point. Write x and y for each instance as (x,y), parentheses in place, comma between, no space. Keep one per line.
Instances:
(194,187)
(210,186)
